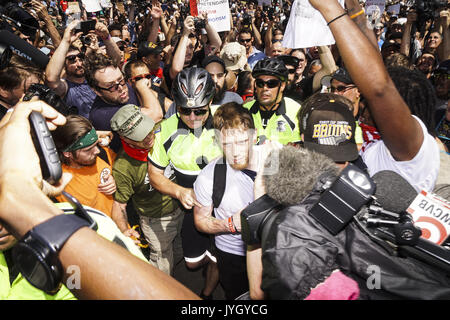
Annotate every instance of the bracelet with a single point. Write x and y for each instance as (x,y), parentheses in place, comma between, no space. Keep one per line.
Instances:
(357,14)
(231,225)
(338,17)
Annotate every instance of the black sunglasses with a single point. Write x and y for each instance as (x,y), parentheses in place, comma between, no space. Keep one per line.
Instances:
(245,40)
(188,111)
(341,88)
(272,83)
(291,71)
(73,57)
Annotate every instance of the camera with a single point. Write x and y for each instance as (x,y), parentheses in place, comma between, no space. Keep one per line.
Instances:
(47,95)
(86,40)
(246,20)
(199,24)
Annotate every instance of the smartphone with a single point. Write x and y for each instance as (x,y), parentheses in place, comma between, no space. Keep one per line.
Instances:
(45,148)
(85,26)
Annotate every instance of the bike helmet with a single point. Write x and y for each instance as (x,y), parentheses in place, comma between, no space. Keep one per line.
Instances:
(193,88)
(272,67)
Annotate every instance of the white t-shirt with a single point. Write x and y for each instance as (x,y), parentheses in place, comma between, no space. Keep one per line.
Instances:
(421,172)
(238,194)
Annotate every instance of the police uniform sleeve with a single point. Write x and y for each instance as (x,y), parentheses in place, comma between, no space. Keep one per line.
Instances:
(158,156)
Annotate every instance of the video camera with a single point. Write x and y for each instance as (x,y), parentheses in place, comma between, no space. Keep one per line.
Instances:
(349,197)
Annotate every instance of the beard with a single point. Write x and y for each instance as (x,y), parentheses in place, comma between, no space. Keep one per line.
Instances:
(220,93)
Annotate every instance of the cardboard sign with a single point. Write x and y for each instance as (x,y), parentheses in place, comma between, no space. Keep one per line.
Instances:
(431,213)
(120,7)
(306,27)
(73,7)
(218,13)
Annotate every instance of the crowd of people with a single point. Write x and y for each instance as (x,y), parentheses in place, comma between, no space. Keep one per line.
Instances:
(169,123)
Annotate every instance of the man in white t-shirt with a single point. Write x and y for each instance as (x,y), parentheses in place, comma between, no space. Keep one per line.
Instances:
(220,215)
(399,140)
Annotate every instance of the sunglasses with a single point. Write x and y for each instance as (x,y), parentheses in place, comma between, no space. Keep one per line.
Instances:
(121,48)
(188,111)
(245,40)
(115,86)
(291,71)
(272,83)
(141,76)
(341,88)
(73,57)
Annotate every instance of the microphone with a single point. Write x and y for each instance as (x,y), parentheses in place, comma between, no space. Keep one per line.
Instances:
(393,192)
(24,49)
(297,174)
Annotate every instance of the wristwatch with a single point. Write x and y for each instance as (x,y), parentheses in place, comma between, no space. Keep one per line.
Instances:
(36,254)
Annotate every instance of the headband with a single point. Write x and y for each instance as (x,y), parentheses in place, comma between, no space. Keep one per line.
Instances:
(85,141)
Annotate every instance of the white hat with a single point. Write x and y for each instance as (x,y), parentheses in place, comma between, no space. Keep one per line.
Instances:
(234,56)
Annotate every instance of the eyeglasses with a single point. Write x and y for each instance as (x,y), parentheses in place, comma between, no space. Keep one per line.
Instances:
(291,71)
(141,76)
(188,111)
(272,83)
(245,40)
(73,57)
(115,86)
(121,48)
(341,88)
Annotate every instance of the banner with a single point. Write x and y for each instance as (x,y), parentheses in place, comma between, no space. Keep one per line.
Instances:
(218,13)
(306,27)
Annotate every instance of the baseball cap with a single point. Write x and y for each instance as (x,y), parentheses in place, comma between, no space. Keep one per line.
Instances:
(234,56)
(210,59)
(340,74)
(329,128)
(289,60)
(147,47)
(131,123)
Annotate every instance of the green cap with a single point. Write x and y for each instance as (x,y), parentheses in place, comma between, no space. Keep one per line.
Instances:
(131,123)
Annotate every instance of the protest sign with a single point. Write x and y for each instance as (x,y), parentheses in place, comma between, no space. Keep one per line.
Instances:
(394,9)
(306,27)
(218,13)
(374,10)
(92,5)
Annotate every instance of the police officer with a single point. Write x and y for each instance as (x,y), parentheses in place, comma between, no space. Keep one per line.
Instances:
(186,141)
(274,115)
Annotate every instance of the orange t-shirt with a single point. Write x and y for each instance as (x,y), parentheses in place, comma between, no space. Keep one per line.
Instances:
(85,181)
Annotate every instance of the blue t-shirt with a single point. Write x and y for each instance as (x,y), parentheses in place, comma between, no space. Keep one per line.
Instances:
(102,112)
(81,96)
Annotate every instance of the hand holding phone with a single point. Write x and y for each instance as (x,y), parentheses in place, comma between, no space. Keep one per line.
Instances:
(45,148)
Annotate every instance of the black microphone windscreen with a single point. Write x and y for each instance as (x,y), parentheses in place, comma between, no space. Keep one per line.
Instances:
(24,49)
(393,192)
(297,172)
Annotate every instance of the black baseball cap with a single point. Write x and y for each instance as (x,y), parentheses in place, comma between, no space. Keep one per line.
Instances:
(329,128)
(147,47)
(340,74)
(213,58)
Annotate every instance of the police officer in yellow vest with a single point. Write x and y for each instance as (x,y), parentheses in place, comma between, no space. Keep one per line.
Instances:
(13,286)
(275,116)
(186,142)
